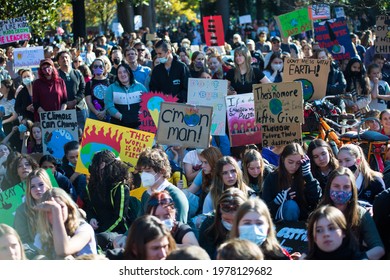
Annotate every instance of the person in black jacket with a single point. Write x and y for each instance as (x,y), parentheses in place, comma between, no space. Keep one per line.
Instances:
(171,75)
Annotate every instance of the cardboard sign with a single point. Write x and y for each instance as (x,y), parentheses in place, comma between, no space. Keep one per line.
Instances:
(13,30)
(294,23)
(137,22)
(126,143)
(245,19)
(209,92)
(312,73)
(292,236)
(184,125)
(9,201)
(333,34)
(243,129)
(213,31)
(28,57)
(382,42)
(58,128)
(150,109)
(319,11)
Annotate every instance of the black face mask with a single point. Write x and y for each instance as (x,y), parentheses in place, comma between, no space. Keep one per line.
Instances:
(353,168)
(116,61)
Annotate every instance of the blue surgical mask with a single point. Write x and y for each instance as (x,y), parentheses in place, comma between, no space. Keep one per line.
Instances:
(254,233)
(228,226)
(27,81)
(163,60)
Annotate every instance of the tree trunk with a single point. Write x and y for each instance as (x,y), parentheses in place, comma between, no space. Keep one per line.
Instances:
(79,25)
(222,8)
(126,15)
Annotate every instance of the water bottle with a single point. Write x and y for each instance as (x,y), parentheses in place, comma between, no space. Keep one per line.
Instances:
(97,105)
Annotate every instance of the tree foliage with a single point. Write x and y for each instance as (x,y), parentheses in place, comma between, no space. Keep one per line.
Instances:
(100,12)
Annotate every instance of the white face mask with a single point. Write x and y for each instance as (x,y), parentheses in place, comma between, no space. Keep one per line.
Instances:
(147,179)
(255,233)
(169,223)
(276,67)
(228,226)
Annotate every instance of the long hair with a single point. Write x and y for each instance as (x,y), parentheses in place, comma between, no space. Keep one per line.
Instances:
(218,185)
(351,212)
(212,155)
(361,83)
(250,156)
(318,143)
(273,56)
(143,230)
(364,167)
(129,72)
(10,85)
(232,197)
(285,179)
(160,198)
(13,169)
(72,222)
(106,171)
(7,230)
(242,50)
(271,246)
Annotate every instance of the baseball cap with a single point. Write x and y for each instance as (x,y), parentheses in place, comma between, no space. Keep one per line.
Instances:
(275,38)
(250,42)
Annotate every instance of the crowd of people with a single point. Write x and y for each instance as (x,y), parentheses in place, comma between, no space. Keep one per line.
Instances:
(232,198)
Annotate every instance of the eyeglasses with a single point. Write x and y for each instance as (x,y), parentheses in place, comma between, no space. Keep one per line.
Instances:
(228,207)
(98,66)
(164,202)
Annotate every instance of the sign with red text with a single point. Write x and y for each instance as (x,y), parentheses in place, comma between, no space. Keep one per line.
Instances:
(333,35)
(294,23)
(243,129)
(312,73)
(126,143)
(13,30)
(184,125)
(382,42)
(28,57)
(213,31)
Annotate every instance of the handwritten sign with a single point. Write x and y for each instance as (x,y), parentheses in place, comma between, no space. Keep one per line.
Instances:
(243,128)
(245,19)
(209,92)
(333,34)
(13,30)
(312,73)
(150,109)
(126,143)
(185,125)
(382,42)
(294,23)
(213,31)
(58,128)
(28,57)
(10,200)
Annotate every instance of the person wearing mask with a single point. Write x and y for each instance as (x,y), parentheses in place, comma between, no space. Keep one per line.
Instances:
(116,58)
(23,102)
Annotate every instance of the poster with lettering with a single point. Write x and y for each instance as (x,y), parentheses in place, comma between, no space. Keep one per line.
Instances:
(243,129)
(382,42)
(28,57)
(312,73)
(150,109)
(294,22)
(58,128)
(292,236)
(213,31)
(319,11)
(124,142)
(10,199)
(279,110)
(333,34)
(184,124)
(209,92)
(14,29)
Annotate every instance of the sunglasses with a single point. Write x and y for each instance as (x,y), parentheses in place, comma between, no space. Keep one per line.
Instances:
(228,207)
(98,66)
(140,50)
(165,202)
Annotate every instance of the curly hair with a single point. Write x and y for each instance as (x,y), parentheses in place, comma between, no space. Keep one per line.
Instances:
(156,159)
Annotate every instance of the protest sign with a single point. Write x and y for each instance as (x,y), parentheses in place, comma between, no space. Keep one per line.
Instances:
(28,57)
(279,110)
(245,19)
(312,73)
(213,31)
(150,109)
(319,11)
(294,23)
(137,22)
(10,199)
(292,236)
(333,34)
(210,92)
(124,142)
(184,125)
(382,42)
(13,30)
(243,129)
(58,128)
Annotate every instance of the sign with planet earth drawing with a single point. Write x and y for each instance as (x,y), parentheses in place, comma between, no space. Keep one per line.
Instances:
(279,110)
(184,125)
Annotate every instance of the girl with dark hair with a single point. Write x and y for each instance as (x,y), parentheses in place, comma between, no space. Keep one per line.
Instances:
(197,64)
(274,69)
(324,160)
(7,101)
(123,98)
(291,192)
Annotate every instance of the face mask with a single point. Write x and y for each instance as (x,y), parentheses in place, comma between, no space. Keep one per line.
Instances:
(116,61)
(276,67)
(255,233)
(340,197)
(169,223)
(48,71)
(147,179)
(22,128)
(199,64)
(228,226)
(98,71)
(353,168)
(163,60)
(27,81)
